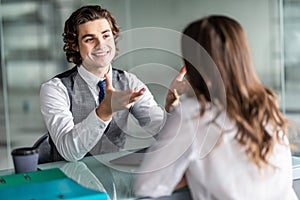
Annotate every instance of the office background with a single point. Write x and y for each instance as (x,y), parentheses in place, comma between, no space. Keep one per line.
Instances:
(31,51)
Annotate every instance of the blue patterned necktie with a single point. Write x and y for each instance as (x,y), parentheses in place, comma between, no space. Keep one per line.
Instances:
(102,86)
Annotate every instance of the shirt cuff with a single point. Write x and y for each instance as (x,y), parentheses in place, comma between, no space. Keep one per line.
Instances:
(101,123)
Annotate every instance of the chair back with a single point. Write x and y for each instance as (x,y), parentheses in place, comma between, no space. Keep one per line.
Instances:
(44,149)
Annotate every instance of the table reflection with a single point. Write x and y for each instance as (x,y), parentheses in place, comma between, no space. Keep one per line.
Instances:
(94,173)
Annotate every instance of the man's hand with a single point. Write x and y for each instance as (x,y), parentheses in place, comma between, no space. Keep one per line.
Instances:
(116,100)
(177,87)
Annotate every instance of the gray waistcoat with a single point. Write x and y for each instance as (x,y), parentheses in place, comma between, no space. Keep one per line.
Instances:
(82,103)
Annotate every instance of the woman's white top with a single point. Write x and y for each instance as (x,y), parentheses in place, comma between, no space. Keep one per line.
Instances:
(215,167)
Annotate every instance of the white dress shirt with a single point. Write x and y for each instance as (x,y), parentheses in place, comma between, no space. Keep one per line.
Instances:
(215,167)
(73,141)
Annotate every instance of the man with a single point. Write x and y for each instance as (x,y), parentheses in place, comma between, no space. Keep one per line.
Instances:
(83,119)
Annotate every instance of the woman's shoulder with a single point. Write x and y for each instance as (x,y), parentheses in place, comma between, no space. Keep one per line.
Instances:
(191,107)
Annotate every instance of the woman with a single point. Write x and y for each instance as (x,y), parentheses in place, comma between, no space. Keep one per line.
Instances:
(228,141)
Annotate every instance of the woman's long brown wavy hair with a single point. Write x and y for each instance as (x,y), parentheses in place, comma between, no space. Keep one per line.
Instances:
(81,16)
(248,103)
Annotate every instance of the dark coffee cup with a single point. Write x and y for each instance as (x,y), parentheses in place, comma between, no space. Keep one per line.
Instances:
(25,159)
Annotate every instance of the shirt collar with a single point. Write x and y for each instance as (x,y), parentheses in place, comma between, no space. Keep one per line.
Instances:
(91,79)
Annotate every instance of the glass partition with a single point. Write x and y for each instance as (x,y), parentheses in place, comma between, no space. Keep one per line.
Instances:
(291,67)
(30,54)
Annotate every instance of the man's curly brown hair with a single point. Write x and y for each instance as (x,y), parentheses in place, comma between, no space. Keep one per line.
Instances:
(81,16)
